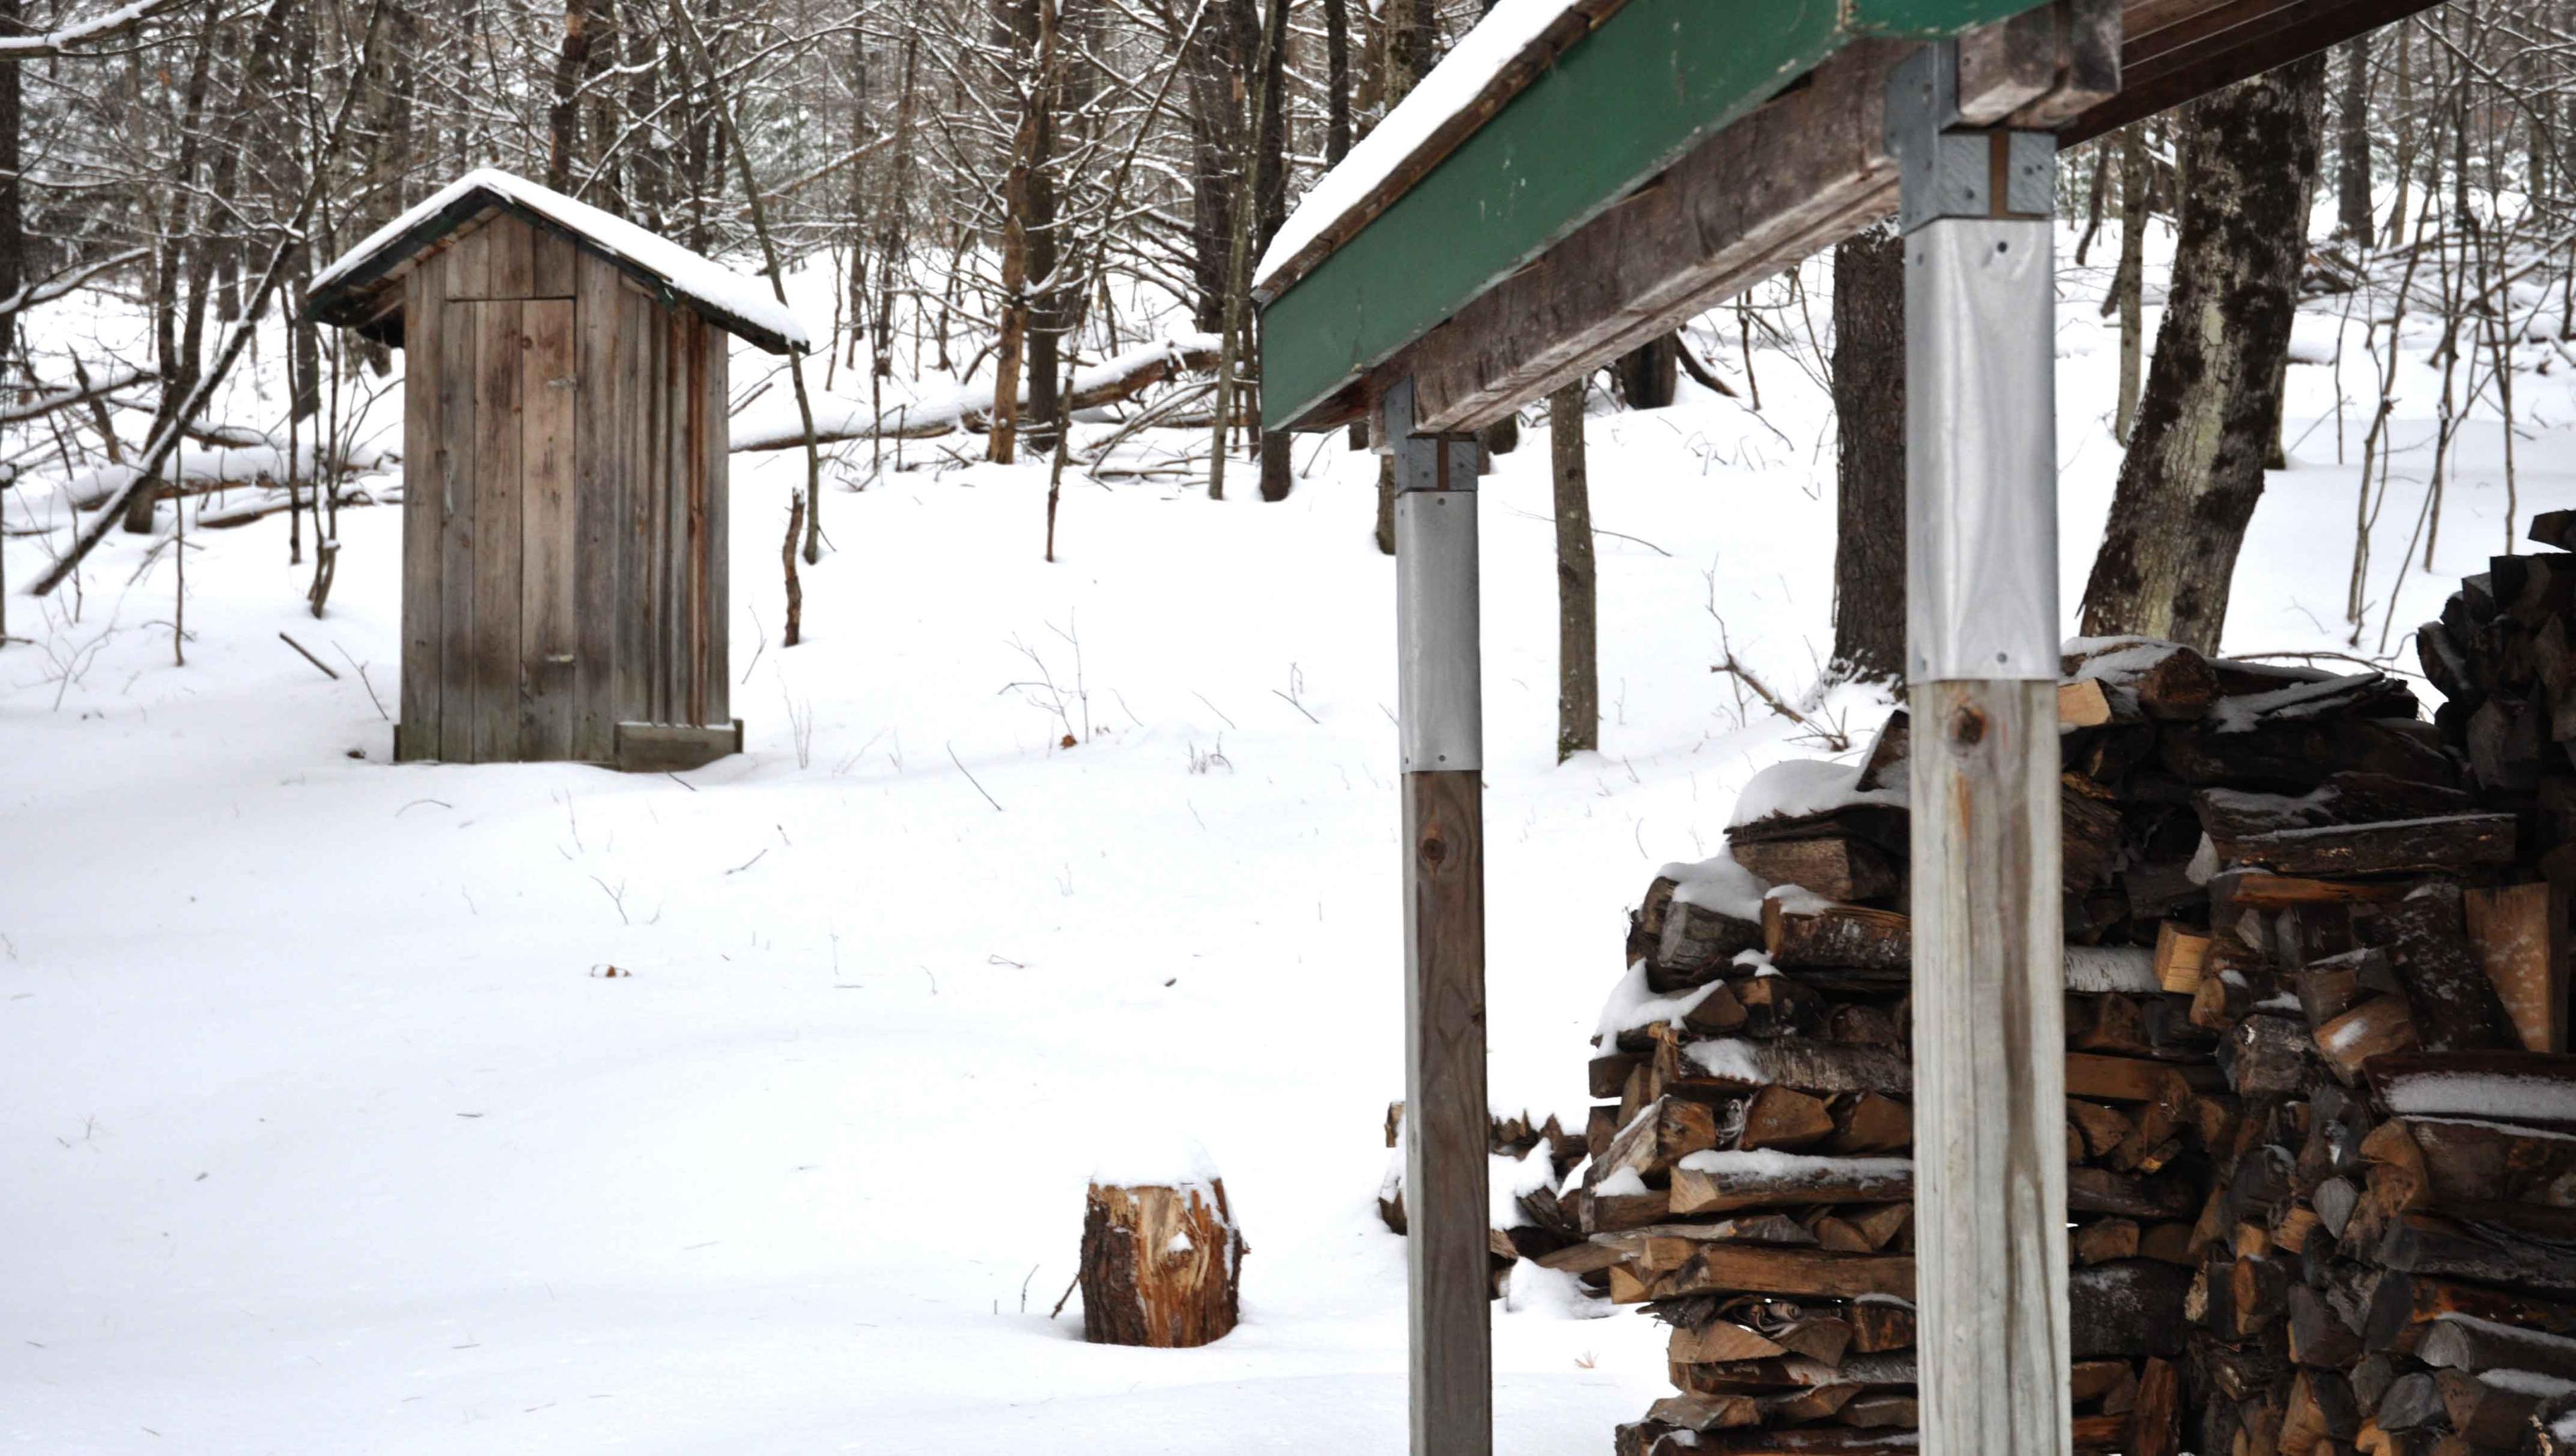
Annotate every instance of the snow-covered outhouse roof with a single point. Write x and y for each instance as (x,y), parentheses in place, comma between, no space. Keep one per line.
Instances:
(363,289)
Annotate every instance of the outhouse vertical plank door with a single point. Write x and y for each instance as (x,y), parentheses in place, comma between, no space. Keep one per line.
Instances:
(549,646)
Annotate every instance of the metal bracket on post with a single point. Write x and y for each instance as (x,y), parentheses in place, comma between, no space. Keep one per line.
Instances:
(1981,442)
(1440,698)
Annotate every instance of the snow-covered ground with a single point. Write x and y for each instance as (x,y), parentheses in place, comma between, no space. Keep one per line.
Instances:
(323,1130)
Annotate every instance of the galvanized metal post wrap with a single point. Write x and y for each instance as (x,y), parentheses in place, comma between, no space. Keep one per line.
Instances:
(1981,657)
(1440,712)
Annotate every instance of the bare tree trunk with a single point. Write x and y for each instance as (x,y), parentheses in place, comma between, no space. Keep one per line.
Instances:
(1017,191)
(2210,413)
(1337,80)
(1869,426)
(2352,144)
(1047,301)
(1578,670)
(2128,284)
(1408,34)
(1650,374)
(563,119)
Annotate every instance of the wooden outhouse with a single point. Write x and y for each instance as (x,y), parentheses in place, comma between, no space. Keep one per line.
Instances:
(564,472)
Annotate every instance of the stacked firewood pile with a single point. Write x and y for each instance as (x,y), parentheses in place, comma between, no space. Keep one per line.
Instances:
(2503,657)
(1531,1157)
(2286,922)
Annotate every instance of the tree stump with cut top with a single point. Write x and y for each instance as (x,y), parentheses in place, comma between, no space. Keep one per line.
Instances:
(1161,1264)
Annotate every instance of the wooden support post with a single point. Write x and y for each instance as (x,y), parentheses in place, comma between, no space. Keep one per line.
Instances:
(1981,588)
(1440,723)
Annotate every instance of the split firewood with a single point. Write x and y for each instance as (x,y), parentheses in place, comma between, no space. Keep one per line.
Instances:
(1720,1341)
(2179,955)
(1732,1267)
(1839,867)
(1807,1066)
(1656,1139)
(1776,1006)
(2493,1407)
(2521,1086)
(2424,1243)
(2099,1190)
(1715,1182)
(2083,704)
(1808,930)
(2404,846)
(2108,1239)
(1696,943)
(1778,1117)
(2458,1343)
(2126,1308)
(2513,931)
(2403,1307)
(2100,1128)
(2378,1027)
(1705,1412)
(2319,1337)
(1870,1122)
(2426,936)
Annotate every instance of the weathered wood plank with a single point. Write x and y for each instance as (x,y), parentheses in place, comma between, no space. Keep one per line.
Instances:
(2210,46)
(715,605)
(639,524)
(679,538)
(1990,1160)
(599,469)
(460,333)
(468,261)
(697,485)
(556,266)
(424,549)
(500,341)
(1451,1363)
(1811,162)
(513,257)
(671,747)
(549,639)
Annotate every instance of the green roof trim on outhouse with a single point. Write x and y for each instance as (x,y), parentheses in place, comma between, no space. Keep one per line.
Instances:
(1652,80)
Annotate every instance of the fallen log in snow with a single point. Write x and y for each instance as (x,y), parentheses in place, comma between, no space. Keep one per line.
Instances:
(201,469)
(1110,382)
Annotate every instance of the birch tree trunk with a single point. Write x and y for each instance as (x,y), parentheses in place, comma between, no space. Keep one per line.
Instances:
(2211,409)
(2128,284)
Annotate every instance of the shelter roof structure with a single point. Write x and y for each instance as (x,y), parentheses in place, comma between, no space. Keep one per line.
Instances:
(1578,173)
(363,289)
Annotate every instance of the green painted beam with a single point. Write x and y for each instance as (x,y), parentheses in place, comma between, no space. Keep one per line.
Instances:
(1649,83)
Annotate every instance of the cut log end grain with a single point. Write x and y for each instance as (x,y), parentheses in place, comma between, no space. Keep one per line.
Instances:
(1161,1265)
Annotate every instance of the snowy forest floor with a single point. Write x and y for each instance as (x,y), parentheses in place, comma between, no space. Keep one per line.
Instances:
(319,1131)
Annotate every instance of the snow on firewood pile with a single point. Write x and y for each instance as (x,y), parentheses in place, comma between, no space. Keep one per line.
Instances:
(2315,1099)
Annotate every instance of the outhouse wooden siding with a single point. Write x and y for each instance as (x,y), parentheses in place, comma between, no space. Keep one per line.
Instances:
(564,503)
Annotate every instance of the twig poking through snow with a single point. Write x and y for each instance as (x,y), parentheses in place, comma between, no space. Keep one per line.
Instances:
(970,778)
(319,665)
(362,678)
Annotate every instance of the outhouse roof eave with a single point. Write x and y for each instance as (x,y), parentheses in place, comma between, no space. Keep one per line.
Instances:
(362,289)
